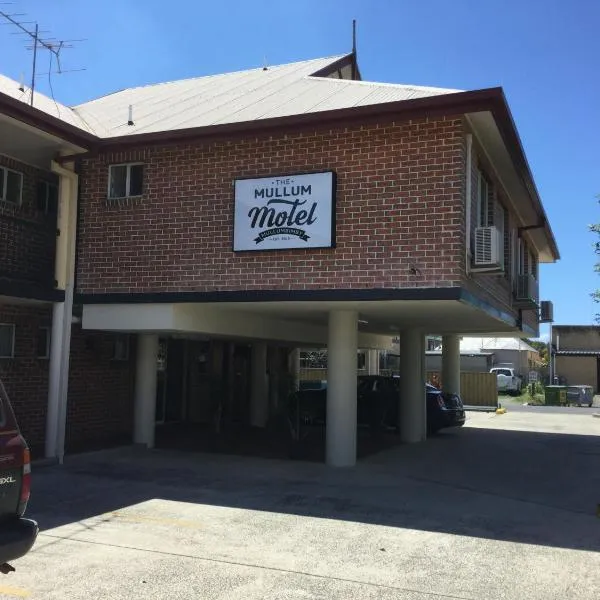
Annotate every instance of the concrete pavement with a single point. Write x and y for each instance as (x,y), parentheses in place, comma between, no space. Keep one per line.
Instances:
(488,511)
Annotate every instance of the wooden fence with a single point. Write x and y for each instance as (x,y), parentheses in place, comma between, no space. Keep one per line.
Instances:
(476,389)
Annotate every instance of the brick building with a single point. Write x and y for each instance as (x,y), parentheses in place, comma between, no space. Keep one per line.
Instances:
(225,221)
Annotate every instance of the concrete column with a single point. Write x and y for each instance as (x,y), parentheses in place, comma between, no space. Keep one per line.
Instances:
(145,389)
(259,385)
(451,364)
(341,388)
(413,415)
(54,376)
(373,362)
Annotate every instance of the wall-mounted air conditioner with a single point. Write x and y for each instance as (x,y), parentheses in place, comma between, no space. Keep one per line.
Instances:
(546,311)
(488,247)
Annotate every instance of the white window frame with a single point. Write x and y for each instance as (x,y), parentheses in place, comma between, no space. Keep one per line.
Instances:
(127,180)
(125,358)
(47,186)
(13,328)
(4,174)
(48,334)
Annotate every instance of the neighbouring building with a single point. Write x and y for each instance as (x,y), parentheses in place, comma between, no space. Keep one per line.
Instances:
(483,353)
(210,227)
(576,354)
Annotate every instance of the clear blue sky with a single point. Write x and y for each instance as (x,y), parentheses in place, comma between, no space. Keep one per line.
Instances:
(545,53)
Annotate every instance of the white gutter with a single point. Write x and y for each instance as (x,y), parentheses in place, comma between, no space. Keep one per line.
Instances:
(62,312)
(468,202)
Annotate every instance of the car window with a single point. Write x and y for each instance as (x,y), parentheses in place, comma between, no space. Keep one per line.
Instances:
(503,372)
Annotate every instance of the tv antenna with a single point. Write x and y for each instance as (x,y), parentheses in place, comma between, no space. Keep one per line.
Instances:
(50,44)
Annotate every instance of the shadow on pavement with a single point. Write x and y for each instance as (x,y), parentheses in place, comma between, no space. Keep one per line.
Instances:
(535,488)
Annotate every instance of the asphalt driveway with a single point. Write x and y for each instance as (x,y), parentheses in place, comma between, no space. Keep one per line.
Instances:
(489,511)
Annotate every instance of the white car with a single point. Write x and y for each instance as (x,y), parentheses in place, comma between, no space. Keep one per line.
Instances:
(508,381)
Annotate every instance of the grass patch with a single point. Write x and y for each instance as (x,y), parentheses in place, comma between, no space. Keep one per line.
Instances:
(524,397)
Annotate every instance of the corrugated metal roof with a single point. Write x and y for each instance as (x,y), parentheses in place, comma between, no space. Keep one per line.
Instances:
(494,343)
(10,87)
(251,95)
(577,352)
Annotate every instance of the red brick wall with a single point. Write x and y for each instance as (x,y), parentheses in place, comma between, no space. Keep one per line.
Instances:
(100,406)
(495,288)
(399,203)
(25,376)
(27,235)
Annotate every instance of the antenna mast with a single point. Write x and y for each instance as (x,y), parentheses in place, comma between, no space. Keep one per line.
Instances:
(47,44)
(354,60)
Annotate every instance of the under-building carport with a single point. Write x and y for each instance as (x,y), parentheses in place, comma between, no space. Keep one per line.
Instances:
(342,323)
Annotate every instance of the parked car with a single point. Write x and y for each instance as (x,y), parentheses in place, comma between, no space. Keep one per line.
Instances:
(508,380)
(17,534)
(377,404)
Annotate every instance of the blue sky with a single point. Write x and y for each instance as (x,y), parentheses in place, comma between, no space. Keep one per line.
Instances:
(543,52)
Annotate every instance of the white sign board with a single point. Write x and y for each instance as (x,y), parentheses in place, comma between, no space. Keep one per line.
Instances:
(289,211)
(533,376)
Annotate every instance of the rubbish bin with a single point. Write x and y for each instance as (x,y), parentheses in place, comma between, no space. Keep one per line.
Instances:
(580,395)
(556,395)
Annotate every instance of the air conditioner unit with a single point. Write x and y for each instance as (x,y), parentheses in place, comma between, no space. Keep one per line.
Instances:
(546,311)
(488,247)
(527,288)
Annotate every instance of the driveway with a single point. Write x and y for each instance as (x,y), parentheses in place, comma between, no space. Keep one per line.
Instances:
(483,512)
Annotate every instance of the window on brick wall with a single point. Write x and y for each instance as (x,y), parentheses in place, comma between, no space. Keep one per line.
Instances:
(491,212)
(121,347)
(11,186)
(47,197)
(125,180)
(7,340)
(43,342)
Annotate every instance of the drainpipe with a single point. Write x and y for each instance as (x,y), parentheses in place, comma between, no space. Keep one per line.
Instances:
(468,203)
(62,312)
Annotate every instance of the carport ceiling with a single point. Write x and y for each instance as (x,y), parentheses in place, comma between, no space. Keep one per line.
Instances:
(384,317)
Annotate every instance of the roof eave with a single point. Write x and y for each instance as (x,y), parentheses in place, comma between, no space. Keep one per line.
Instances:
(34,117)
(512,140)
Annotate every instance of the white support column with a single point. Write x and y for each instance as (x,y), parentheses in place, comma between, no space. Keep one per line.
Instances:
(259,385)
(145,389)
(413,408)
(62,313)
(341,388)
(451,364)
(373,362)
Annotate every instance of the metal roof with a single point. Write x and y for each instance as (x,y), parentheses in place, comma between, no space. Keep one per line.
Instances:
(577,352)
(251,95)
(242,96)
(12,88)
(494,343)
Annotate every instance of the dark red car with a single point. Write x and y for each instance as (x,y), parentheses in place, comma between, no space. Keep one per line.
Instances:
(17,534)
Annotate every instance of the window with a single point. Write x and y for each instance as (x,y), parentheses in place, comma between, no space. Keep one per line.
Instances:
(47,197)
(485,202)
(7,340)
(43,342)
(125,180)
(11,186)
(121,347)
(491,213)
